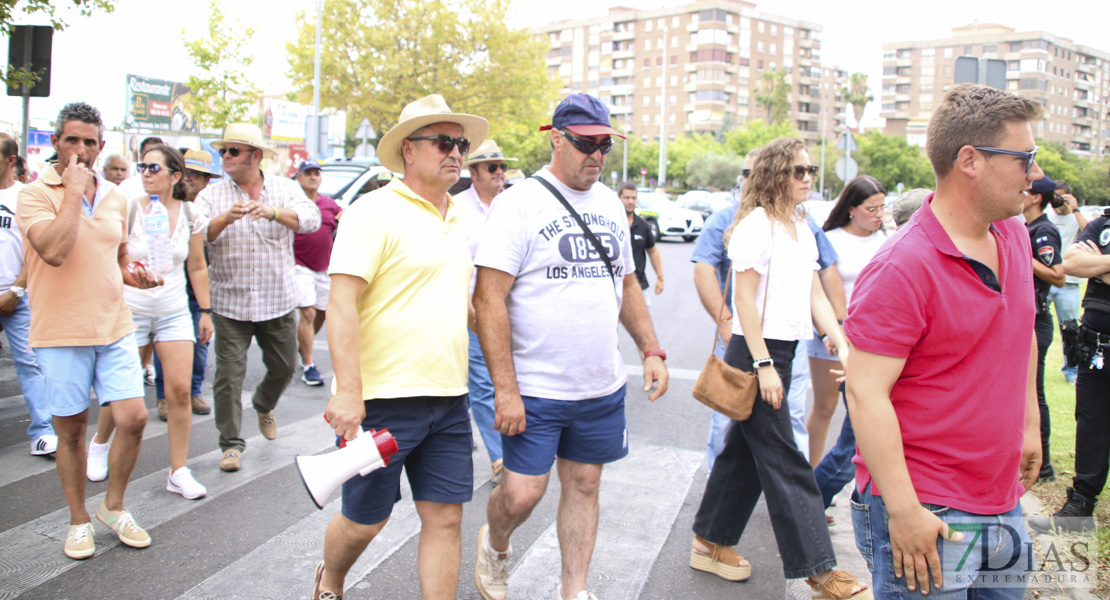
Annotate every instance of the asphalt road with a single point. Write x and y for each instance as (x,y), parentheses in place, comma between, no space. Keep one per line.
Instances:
(258,535)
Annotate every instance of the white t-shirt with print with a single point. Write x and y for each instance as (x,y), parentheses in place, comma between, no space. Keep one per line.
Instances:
(853,253)
(171,297)
(11,240)
(791,265)
(1069,232)
(563,306)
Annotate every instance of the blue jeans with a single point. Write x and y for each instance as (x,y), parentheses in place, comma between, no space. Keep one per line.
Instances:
(481,399)
(1066,300)
(999,540)
(796,401)
(17,326)
(200,358)
(836,469)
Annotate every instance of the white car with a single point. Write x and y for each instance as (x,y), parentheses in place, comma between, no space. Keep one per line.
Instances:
(666,218)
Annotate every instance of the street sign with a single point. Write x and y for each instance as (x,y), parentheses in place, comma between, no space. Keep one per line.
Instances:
(29,46)
(847,142)
(643,172)
(984,71)
(846,168)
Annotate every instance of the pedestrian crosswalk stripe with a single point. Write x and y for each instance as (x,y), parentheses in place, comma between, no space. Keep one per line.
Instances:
(641,496)
(34,549)
(673,372)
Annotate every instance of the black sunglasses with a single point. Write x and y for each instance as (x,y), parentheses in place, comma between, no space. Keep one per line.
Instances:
(233,151)
(745,173)
(154,168)
(1029,157)
(493,167)
(445,142)
(801,170)
(586,146)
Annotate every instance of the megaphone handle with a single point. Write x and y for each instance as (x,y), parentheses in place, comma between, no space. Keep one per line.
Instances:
(343,440)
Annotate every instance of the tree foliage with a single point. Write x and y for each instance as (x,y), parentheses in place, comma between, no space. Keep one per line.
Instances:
(223,93)
(48,9)
(774,95)
(857,94)
(893,160)
(379,55)
(755,134)
(713,169)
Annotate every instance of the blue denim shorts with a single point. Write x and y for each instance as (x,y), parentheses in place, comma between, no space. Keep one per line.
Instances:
(992,559)
(112,371)
(815,348)
(434,446)
(587,431)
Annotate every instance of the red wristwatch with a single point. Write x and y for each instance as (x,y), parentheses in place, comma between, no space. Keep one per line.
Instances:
(661,353)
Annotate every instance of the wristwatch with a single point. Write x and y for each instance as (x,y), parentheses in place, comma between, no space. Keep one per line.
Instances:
(763,362)
(18,291)
(661,353)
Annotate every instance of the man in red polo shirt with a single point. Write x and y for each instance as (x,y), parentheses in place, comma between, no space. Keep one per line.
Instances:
(942,390)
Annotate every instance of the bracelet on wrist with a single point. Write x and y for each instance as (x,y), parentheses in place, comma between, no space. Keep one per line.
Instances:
(204,311)
(275,215)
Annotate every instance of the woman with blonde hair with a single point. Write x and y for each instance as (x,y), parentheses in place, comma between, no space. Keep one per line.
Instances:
(777,299)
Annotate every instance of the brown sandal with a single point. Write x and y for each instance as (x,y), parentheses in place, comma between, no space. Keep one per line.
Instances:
(839,586)
(722,561)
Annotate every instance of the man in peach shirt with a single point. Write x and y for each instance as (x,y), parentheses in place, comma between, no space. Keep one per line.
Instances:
(81,328)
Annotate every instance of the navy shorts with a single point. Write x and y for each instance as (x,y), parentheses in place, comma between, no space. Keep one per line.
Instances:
(587,431)
(434,446)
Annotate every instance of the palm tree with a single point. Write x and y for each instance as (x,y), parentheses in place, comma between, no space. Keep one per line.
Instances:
(858,94)
(774,95)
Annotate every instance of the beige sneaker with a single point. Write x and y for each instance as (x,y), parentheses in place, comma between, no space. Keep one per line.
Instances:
(232,460)
(267,425)
(491,574)
(121,522)
(79,541)
(200,407)
(163,409)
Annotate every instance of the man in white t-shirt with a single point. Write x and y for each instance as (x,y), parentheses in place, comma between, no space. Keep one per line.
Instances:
(548,308)
(487,165)
(1070,221)
(15,312)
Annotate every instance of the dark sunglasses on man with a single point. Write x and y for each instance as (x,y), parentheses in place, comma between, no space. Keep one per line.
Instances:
(493,167)
(233,151)
(586,146)
(444,142)
(801,170)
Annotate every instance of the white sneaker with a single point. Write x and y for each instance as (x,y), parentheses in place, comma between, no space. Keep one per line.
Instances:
(181,482)
(491,574)
(97,466)
(148,375)
(45,444)
(583,595)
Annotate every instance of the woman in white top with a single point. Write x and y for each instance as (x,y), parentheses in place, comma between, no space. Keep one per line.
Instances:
(161,314)
(777,299)
(855,230)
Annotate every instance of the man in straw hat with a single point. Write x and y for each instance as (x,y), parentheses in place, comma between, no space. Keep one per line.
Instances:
(396,324)
(252,220)
(559,382)
(488,167)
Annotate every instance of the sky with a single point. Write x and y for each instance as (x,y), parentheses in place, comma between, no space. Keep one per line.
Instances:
(92,57)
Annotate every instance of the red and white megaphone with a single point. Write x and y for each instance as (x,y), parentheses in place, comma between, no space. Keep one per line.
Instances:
(321,474)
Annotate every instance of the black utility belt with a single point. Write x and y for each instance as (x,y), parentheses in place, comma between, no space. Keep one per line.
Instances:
(1091,336)
(1083,345)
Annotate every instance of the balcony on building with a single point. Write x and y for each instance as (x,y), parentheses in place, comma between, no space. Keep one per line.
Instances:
(620,36)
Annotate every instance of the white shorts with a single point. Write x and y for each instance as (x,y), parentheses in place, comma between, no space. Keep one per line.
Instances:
(174,327)
(312,287)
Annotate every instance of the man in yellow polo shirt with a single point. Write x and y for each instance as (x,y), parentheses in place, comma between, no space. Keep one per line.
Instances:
(397,317)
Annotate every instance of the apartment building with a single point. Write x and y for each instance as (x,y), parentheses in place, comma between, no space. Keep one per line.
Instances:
(697,67)
(1071,80)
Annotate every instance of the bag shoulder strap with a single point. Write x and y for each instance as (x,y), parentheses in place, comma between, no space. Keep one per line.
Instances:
(578,219)
(132,208)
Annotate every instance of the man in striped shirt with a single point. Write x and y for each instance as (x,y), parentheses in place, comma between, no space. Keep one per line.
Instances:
(252,220)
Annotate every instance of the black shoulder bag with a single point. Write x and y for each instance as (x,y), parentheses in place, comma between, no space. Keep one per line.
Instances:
(578,219)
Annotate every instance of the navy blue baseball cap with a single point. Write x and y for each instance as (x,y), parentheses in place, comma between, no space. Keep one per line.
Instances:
(1043,186)
(306,165)
(583,114)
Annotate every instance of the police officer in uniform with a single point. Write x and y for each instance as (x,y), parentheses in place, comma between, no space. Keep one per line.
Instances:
(1048,270)
(1089,257)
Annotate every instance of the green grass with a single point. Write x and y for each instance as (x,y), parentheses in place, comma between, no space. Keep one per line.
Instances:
(1061,405)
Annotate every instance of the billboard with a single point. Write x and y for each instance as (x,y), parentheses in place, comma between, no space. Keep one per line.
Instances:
(285,121)
(159,105)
